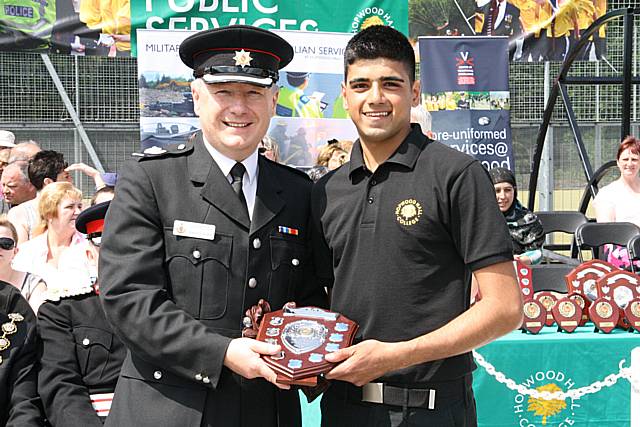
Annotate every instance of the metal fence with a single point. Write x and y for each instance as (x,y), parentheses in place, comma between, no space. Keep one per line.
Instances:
(104,92)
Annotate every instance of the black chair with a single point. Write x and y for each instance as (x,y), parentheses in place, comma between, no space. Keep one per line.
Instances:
(550,277)
(593,235)
(564,222)
(634,251)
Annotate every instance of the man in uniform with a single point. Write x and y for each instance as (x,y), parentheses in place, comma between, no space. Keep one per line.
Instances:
(502,18)
(199,232)
(401,229)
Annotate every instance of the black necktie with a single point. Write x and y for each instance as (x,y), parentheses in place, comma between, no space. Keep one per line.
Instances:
(237,173)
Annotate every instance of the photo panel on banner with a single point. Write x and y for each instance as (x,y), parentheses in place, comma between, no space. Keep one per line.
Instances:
(309,111)
(538,30)
(465,88)
(108,27)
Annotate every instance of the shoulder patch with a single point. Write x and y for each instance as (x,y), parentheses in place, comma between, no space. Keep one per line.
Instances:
(172,150)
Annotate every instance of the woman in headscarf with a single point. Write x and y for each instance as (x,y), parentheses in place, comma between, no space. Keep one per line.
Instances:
(524,226)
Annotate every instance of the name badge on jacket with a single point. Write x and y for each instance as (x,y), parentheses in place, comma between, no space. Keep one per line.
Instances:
(194,229)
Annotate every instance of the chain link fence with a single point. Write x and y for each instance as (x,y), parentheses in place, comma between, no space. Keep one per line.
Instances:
(104,92)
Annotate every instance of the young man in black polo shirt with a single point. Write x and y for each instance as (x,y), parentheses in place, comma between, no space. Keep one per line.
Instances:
(401,229)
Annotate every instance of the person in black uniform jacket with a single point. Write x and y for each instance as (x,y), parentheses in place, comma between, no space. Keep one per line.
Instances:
(81,356)
(508,18)
(196,235)
(401,229)
(20,404)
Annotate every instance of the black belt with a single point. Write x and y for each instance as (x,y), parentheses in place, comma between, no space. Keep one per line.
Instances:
(428,397)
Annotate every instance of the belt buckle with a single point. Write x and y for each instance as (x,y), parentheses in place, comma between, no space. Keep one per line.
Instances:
(373,393)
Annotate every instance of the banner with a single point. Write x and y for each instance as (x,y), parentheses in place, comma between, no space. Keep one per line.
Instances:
(538,30)
(108,27)
(309,111)
(465,87)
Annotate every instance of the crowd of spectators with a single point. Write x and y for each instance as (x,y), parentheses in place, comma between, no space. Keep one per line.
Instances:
(49,248)
(47,253)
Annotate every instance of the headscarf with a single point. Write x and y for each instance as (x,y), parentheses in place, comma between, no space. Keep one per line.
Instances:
(524,226)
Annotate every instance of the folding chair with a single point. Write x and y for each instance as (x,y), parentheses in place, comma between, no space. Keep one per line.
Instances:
(564,222)
(634,251)
(593,235)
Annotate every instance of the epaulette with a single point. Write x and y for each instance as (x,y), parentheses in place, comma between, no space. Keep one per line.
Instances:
(56,294)
(175,149)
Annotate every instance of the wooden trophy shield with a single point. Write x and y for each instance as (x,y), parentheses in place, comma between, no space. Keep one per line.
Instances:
(632,313)
(567,314)
(583,278)
(305,335)
(523,272)
(535,316)
(619,286)
(584,318)
(548,300)
(604,314)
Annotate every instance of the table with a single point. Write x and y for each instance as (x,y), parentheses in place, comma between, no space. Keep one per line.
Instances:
(552,360)
(555,361)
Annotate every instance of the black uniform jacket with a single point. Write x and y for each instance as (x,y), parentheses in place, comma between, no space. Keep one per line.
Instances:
(509,26)
(81,356)
(20,404)
(177,302)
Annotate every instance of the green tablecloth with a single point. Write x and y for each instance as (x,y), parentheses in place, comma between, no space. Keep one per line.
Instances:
(556,361)
(552,360)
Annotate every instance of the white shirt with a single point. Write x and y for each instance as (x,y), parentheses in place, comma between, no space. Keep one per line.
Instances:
(625,203)
(502,7)
(250,178)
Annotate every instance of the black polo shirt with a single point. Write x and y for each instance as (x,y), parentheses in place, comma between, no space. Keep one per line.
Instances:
(402,243)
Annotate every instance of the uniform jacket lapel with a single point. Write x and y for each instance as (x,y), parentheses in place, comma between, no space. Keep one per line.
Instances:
(216,189)
(268,201)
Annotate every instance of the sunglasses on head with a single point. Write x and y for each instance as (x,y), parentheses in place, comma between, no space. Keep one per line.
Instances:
(7,243)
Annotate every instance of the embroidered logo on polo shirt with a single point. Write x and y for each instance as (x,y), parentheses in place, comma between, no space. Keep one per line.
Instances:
(408,212)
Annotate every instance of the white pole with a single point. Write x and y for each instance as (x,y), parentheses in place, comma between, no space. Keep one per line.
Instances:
(635,394)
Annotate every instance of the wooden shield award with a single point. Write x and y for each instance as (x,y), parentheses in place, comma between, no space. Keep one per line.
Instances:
(523,272)
(584,308)
(582,280)
(619,286)
(547,300)
(305,334)
(534,313)
(604,314)
(535,316)
(632,313)
(567,314)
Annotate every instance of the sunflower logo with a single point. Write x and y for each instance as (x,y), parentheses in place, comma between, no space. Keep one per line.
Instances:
(408,212)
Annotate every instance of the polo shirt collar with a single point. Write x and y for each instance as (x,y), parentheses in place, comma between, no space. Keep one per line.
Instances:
(225,164)
(406,154)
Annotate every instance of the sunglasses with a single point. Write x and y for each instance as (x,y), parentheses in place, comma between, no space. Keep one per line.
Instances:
(7,243)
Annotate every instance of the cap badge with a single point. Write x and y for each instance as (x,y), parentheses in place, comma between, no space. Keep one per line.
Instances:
(408,212)
(243,58)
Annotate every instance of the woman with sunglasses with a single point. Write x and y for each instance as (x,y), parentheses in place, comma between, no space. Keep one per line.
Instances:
(81,356)
(30,285)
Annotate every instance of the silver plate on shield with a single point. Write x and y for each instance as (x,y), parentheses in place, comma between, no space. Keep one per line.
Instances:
(303,336)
